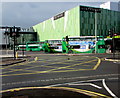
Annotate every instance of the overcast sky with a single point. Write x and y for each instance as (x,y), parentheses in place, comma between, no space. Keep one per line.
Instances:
(25,14)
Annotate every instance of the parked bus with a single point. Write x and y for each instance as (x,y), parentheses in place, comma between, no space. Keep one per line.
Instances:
(83,44)
(21,47)
(112,44)
(53,46)
(34,46)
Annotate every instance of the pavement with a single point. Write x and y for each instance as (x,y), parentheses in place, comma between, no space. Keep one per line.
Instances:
(8,59)
(11,61)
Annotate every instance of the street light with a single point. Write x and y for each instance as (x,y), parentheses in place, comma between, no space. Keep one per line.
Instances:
(23,44)
(6,34)
(95,31)
(92,10)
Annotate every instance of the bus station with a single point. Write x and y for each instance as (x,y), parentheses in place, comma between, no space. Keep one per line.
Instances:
(74,53)
(80,21)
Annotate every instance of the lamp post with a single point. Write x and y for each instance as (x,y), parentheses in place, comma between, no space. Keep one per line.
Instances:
(113,43)
(14,37)
(93,10)
(95,31)
(6,34)
(23,44)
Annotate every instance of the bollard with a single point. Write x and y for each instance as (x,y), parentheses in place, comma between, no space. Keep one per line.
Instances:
(16,55)
(36,58)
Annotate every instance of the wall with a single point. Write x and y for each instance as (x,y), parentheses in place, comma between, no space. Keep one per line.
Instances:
(106,20)
(78,23)
(56,29)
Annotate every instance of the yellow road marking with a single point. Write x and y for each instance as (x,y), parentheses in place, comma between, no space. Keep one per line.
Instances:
(27,63)
(99,61)
(14,70)
(86,92)
(26,69)
(86,65)
(58,68)
(71,70)
(47,65)
(72,65)
(46,71)
(38,66)
(23,63)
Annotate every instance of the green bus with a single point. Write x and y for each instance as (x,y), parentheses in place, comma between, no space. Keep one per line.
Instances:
(34,46)
(112,44)
(21,47)
(83,44)
(53,46)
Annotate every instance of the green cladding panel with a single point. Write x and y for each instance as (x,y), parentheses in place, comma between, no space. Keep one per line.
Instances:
(76,22)
(106,20)
(26,38)
(66,23)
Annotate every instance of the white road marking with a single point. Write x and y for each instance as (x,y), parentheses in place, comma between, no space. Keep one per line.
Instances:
(95,86)
(74,83)
(72,78)
(91,84)
(71,83)
(117,62)
(109,91)
(115,78)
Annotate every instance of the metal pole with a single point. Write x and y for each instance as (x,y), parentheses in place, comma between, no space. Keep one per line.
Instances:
(113,48)
(14,47)
(14,41)
(95,31)
(9,42)
(23,44)
(113,44)
(6,45)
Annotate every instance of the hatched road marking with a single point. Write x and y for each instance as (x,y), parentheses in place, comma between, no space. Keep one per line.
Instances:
(74,64)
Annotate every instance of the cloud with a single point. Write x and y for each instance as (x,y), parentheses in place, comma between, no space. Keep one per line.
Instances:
(59,0)
(27,14)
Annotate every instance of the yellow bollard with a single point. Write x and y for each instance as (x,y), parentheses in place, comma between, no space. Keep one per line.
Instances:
(36,58)
(16,55)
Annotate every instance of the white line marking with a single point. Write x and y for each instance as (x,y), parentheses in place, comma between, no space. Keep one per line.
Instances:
(109,91)
(116,78)
(57,79)
(91,84)
(74,83)
(95,86)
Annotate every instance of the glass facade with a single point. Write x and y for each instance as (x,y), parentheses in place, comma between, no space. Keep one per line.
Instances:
(106,20)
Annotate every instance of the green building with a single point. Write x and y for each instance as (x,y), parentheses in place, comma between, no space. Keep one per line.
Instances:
(26,36)
(79,21)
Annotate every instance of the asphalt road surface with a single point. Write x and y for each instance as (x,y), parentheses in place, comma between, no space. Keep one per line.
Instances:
(90,73)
